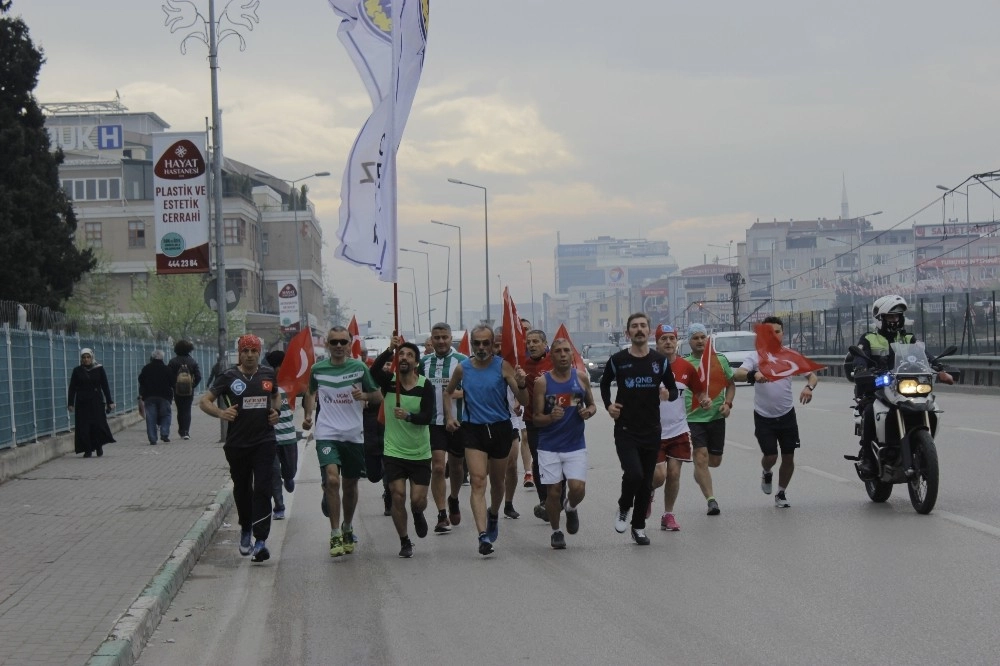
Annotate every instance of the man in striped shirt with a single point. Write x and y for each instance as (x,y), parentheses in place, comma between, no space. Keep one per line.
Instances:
(286,459)
(446,447)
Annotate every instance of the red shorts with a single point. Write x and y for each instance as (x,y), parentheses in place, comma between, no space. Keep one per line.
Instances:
(678,448)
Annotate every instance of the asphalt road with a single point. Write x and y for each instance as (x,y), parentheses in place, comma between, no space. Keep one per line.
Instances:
(835,579)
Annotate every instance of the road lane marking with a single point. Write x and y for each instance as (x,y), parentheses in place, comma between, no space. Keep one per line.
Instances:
(969,522)
(983,432)
(825,475)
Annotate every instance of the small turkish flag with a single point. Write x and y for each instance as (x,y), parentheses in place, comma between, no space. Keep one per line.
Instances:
(778,362)
(293,376)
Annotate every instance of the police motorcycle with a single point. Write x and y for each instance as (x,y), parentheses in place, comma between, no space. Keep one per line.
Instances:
(905,423)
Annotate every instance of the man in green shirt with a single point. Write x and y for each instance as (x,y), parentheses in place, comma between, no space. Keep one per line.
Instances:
(407,456)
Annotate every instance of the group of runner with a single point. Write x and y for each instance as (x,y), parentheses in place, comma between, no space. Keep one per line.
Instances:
(445,413)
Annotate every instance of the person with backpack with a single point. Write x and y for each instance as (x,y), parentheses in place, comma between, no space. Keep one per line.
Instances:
(187,376)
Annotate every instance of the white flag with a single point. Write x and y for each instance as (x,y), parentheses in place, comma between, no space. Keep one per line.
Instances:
(386,40)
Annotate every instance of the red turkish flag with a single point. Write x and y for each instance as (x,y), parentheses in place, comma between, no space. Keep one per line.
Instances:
(355,332)
(778,362)
(464,347)
(512,336)
(710,373)
(293,376)
(577,357)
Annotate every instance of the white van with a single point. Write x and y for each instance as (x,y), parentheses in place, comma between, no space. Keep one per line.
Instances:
(735,345)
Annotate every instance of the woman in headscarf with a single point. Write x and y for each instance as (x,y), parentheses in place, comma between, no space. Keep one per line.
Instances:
(88,393)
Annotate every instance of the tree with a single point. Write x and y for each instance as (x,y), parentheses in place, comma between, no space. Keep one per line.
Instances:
(174,306)
(39,261)
(93,302)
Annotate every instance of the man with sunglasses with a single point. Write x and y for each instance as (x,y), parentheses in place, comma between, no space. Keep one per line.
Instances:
(250,393)
(485,427)
(342,385)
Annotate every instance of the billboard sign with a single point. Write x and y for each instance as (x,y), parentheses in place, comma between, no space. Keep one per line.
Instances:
(288,305)
(180,203)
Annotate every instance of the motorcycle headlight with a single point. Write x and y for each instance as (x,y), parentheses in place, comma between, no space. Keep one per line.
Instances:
(913,387)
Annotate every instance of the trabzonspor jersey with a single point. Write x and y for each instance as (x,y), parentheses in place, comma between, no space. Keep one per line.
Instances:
(339,414)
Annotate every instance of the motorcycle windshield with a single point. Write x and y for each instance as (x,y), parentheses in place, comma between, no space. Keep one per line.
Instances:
(911,359)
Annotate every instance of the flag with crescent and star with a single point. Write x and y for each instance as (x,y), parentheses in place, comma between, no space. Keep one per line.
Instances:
(778,362)
(293,375)
(354,331)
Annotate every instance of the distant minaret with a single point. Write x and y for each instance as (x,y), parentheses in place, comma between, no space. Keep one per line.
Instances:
(844,211)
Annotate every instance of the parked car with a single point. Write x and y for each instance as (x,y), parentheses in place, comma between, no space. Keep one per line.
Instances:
(596,358)
(735,345)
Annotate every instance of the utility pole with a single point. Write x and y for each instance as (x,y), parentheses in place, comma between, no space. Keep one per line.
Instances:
(735,281)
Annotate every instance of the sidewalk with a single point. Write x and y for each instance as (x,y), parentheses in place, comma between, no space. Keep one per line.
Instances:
(82,539)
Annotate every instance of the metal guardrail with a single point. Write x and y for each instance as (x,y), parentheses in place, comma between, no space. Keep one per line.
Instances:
(976,370)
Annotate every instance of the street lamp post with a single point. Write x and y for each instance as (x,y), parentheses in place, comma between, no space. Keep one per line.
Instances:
(486,238)
(447,279)
(293,200)
(461,305)
(968,248)
(531,274)
(413,306)
(427,258)
(728,248)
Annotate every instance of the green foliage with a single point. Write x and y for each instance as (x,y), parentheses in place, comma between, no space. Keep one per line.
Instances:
(93,302)
(174,306)
(39,261)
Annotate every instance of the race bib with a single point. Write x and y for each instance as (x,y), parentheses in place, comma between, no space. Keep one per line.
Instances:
(255,402)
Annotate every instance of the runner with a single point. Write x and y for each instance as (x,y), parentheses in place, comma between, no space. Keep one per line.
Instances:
(774,418)
(675,435)
(708,426)
(250,392)
(341,385)
(286,460)
(407,439)
(485,427)
(563,401)
(536,362)
(447,452)
(639,372)
(517,425)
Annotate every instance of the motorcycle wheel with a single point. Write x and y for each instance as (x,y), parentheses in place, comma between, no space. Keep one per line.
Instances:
(878,491)
(923,485)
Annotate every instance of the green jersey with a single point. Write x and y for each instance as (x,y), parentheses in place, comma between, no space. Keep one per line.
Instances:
(339,414)
(713,413)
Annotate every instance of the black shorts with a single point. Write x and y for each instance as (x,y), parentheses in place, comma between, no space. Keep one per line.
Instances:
(772,433)
(494,439)
(418,472)
(442,440)
(711,435)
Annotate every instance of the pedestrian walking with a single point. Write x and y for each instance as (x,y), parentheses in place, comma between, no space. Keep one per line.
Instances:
(286,458)
(90,400)
(253,406)
(187,377)
(156,390)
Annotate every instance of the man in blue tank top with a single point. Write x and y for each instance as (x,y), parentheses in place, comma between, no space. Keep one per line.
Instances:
(563,401)
(485,429)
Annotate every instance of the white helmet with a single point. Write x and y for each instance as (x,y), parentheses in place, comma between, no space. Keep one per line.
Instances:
(891,304)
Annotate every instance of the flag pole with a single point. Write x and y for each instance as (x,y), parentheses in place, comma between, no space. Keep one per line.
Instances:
(395,331)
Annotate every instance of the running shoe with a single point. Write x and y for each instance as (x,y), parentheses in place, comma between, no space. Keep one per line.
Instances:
(529,480)
(492,526)
(639,536)
(185,436)
(485,547)
(572,518)
(348,541)
(541,512)
(765,482)
(289,483)
(558,540)
(509,512)
(442,526)
(279,514)
(649,507)
(669,523)
(781,501)
(406,549)
(336,546)
(454,511)
(419,524)
(713,507)
(245,544)
(621,520)
(260,552)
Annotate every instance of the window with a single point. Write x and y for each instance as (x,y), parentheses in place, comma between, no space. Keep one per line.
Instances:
(786,264)
(603,307)
(817,262)
(764,244)
(847,261)
(762,265)
(265,244)
(988,273)
(234,231)
(93,189)
(136,233)
(816,283)
(989,251)
(880,259)
(92,234)
(139,281)
(788,285)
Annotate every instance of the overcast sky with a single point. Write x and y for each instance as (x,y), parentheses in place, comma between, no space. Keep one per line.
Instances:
(672,120)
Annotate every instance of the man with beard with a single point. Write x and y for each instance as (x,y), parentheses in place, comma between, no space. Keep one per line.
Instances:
(639,372)
(485,427)
(407,454)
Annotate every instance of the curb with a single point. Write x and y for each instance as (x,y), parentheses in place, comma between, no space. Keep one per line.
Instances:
(26,457)
(132,630)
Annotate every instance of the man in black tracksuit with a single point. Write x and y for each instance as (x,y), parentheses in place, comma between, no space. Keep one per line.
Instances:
(639,372)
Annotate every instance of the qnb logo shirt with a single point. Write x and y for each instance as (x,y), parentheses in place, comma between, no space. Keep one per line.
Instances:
(251,394)
(639,380)
(340,415)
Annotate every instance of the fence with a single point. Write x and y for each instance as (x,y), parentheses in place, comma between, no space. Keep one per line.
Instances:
(34,377)
(965,320)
